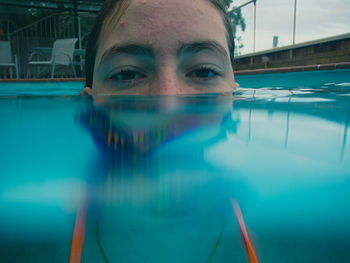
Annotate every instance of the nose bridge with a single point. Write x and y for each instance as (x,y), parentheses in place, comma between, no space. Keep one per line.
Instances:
(167,81)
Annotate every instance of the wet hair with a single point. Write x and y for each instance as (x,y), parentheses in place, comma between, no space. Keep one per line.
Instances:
(113,10)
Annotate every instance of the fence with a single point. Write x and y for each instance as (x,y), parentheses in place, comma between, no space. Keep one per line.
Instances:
(331,52)
(43,33)
(276,24)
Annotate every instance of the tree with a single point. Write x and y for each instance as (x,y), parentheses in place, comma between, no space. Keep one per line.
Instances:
(237,20)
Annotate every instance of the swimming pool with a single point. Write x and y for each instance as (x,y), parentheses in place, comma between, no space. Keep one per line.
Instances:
(280,147)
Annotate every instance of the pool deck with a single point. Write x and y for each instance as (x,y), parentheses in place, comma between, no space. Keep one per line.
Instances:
(329,66)
(43,80)
(315,67)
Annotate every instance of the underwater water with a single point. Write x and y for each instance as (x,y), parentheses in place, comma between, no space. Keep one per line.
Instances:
(154,177)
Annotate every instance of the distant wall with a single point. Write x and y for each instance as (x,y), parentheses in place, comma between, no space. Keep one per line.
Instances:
(324,51)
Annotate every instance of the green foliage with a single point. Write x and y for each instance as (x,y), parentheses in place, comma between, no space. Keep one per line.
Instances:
(237,19)
(18,17)
(13,18)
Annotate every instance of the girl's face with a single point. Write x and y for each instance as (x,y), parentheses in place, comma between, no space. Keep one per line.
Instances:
(164,47)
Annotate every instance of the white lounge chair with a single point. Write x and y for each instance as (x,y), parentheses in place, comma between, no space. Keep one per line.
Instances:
(6,59)
(62,55)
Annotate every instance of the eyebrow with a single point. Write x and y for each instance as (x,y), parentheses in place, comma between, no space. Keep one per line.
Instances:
(147,51)
(128,49)
(196,47)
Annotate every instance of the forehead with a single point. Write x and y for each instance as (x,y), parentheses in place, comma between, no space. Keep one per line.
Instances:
(153,10)
(165,24)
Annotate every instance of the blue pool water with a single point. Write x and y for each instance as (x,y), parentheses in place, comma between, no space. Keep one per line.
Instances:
(158,174)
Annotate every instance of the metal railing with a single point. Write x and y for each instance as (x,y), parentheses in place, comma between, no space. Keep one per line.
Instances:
(42,33)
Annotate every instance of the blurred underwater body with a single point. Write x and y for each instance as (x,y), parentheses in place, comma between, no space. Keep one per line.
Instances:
(155,176)
(269,149)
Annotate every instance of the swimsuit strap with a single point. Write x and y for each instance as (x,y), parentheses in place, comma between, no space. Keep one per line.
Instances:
(78,236)
(79,231)
(248,246)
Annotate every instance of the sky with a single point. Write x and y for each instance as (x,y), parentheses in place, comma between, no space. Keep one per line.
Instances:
(315,19)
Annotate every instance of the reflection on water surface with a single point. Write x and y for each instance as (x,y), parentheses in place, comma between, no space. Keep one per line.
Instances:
(153,177)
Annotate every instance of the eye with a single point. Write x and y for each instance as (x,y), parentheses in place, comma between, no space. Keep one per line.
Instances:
(203,73)
(128,75)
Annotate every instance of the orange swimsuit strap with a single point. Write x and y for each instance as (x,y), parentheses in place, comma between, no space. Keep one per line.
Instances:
(78,237)
(248,246)
(79,231)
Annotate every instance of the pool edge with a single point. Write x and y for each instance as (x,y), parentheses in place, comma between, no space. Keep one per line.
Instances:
(44,80)
(314,67)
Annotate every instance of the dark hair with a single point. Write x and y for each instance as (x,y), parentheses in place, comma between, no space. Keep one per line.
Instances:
(108,8)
